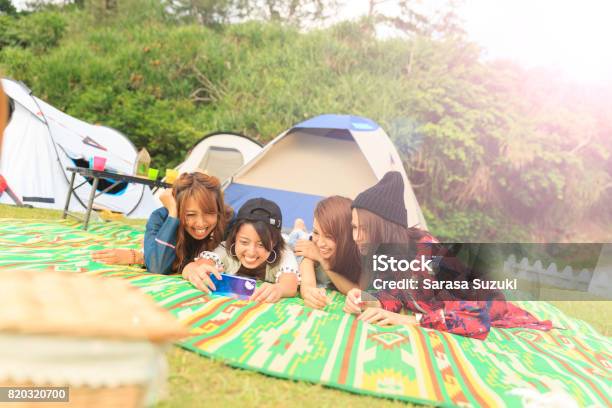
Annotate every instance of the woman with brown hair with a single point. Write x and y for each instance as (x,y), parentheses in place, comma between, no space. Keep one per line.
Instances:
(193,219)
(379,218)
(330,255)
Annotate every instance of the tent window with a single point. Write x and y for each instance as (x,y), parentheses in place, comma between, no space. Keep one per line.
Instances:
(221,162)
(103,183)
(339,134)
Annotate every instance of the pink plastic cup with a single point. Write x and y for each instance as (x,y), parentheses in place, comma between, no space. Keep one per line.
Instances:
(99,163)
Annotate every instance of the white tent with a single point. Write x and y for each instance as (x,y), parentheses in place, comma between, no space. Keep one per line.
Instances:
(323,156)
(220,154)
(41,141)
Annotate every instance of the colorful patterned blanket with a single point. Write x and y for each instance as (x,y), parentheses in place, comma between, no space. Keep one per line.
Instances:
(511,368)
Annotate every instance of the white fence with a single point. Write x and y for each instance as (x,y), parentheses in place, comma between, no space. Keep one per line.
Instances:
(597,281)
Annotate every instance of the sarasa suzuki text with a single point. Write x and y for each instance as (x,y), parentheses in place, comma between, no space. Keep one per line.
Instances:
(413,284)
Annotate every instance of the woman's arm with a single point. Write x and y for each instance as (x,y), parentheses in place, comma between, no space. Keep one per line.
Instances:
(286,286)
(160,242)
(287,278)
(307,272)
(310,252)
(119,256)
(288,283)
(469,319)
(313,297)
(382,317)
(340,282)
(198,273)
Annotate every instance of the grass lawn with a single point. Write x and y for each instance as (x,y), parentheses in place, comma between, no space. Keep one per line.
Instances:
(198,381)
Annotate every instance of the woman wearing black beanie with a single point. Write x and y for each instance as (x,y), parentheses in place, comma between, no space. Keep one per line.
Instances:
(381,213)
(379,217)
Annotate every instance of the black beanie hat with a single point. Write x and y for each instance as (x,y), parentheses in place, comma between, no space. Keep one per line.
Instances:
(385,199)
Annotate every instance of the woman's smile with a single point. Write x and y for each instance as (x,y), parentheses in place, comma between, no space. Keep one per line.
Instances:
(249,249)
(200,232)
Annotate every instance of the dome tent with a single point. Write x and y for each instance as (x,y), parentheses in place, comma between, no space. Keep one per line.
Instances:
(41,141)
(323,156)
(220,154)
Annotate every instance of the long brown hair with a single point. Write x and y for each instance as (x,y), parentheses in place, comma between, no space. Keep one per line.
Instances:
(333,215)
(381,231)
(206,191)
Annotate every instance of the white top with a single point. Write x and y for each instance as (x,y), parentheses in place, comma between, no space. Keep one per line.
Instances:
(231,265)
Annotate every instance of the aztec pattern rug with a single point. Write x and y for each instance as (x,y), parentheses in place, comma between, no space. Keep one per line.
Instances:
(513,367)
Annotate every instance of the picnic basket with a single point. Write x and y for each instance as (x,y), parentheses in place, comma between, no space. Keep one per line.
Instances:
(99,336)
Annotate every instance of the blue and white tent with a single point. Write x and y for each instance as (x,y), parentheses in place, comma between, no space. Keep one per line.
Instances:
(323,156)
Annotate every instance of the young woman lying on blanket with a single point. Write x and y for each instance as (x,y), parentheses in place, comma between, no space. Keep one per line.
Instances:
(256,248)
(379,216)
(193,219)
(330,254)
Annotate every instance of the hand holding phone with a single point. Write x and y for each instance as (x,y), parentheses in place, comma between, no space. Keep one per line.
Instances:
(233,285)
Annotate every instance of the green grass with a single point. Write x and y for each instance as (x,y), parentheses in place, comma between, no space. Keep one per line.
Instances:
(197,381)
(11,211)
(596,313)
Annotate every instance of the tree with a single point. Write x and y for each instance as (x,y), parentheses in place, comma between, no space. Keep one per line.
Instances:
(215,12)
(412,17)
(296,12)
(6,7)
(205,12)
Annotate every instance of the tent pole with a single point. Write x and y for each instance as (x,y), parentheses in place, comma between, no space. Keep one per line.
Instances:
(70,190)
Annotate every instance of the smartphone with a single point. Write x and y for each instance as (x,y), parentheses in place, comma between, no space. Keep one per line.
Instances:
(234,285)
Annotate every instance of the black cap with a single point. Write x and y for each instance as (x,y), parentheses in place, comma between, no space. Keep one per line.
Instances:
(385,199)
(260,209)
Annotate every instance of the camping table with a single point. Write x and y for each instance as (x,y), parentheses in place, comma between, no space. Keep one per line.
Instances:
(96,175)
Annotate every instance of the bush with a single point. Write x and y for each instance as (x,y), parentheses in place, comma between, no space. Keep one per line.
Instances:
(42,31)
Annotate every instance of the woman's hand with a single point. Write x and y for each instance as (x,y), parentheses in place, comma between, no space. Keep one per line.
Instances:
(116,256)
(307,249)
(352,304)
(382,317)
(314,297)
(167,199)
(198,272)
(267,292)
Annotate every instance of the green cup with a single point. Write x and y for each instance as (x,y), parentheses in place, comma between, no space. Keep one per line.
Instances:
(153,173)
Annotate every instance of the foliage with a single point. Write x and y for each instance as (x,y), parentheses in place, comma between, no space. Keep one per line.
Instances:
(38,31)
(494,152)
(7,7)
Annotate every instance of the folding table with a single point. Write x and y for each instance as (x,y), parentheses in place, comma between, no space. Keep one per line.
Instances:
(94,177)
